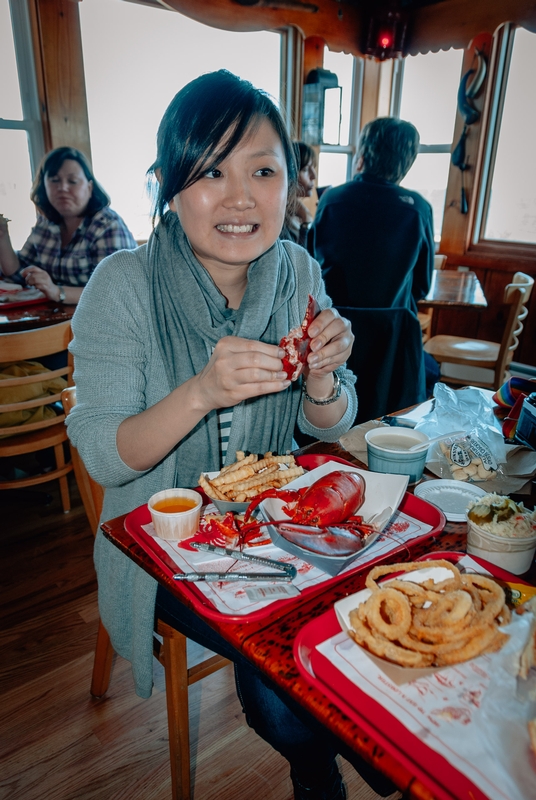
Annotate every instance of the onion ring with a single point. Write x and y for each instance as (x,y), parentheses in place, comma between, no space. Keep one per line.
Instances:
(430,624)
(388,612)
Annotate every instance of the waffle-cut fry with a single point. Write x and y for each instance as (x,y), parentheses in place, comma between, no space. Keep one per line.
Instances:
(249,476)
(287,475)
(256,479)
(268,460)
(251,459)
(234,476)
(210,489)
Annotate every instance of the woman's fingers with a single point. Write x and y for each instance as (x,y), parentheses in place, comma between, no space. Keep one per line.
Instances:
(40,279)
(331,342)
(242,368)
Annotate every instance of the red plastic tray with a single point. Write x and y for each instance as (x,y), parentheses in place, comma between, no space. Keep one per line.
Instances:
(444,780)
(413,506)
(21,303)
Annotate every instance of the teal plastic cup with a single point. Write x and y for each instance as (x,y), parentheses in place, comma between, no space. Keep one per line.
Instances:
(388,451)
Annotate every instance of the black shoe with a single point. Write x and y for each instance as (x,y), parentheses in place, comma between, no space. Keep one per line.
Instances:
(331,789)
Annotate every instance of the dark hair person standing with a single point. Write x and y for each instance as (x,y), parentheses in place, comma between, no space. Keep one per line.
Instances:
(374,239)
(75,229)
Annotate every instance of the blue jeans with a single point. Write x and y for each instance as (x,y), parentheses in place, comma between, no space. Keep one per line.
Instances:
(291,730)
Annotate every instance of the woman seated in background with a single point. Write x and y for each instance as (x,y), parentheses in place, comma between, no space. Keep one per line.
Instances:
(75,229)
(299,218)
(188,331)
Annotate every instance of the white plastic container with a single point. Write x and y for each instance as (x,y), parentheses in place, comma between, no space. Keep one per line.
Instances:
(174,526)
(512,554)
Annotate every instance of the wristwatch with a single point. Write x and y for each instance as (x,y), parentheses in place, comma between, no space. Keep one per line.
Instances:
(62,293)
(335,395)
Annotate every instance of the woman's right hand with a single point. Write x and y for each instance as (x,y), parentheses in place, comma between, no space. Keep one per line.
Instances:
(239,369)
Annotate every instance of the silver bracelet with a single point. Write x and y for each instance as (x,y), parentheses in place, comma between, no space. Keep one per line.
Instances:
(62,293)
(337,388)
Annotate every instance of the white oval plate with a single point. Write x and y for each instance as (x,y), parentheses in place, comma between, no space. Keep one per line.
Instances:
(452,497)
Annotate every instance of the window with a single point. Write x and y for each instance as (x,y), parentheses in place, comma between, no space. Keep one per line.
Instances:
(134,65)
(509,209)
(335,161)
(427,98)
(21,142)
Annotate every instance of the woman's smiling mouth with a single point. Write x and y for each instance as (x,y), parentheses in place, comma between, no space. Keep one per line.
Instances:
(236,228)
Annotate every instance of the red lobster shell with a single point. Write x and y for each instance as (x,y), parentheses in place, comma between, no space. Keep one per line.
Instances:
(297,342)
(334,498)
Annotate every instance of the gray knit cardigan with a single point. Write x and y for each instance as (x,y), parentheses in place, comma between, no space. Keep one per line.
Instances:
(118,372)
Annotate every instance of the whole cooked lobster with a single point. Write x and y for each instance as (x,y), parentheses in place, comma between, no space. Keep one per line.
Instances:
(332,500)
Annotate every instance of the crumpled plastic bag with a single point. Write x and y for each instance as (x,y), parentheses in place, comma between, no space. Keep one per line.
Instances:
(475,456)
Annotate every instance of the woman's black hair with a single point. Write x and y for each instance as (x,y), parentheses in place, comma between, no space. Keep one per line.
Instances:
(203,124)
(50,166)
(305,155)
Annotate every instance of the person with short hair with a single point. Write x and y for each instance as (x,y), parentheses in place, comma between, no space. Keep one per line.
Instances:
(75,229)
(188,330)
(373,238)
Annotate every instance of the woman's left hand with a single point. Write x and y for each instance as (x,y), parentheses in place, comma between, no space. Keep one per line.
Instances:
(331,343)
(35,276)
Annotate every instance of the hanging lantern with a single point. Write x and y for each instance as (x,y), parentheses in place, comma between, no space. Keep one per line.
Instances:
(321,118)
(385,26)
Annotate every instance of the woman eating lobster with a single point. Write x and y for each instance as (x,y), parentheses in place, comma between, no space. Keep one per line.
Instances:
(188,339)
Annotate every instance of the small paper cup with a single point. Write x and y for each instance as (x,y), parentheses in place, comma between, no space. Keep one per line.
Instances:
(512,554)
(387,451)
(177,525)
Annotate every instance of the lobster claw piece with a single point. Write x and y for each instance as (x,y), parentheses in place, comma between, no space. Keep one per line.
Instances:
(288,495)
(297,342)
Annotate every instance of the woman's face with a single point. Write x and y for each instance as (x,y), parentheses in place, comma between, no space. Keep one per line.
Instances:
(306,180)
(235,212)
(69,190)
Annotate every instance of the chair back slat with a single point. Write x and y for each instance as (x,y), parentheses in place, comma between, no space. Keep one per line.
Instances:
(91,492)
(32,345)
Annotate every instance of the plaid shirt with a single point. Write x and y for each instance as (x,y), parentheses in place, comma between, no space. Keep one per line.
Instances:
(96,237)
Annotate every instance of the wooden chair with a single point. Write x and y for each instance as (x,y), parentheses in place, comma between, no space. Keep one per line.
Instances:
(476,361)
(425,317)
(48,432)
(171,652)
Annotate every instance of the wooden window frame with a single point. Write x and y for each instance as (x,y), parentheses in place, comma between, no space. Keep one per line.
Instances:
(461,235)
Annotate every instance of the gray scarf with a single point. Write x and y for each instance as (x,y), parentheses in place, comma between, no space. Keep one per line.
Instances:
(190,316)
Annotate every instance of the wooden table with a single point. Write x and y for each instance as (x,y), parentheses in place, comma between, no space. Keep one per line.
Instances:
(454,289)
(268,643)
(38,315)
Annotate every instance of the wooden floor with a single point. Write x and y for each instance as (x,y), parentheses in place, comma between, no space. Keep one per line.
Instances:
(56,741)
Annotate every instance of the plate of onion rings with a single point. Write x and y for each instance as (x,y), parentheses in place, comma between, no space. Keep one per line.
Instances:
(426,615)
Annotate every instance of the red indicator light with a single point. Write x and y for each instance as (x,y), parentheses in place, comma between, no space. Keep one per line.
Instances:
(385,41)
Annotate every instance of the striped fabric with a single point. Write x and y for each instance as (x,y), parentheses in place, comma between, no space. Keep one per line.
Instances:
(225,419)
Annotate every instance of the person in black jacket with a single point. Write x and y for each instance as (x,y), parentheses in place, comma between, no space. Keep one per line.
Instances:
(375,243)
(374,239)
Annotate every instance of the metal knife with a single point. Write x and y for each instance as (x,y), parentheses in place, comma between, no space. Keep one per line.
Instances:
(290,569)
(232,576)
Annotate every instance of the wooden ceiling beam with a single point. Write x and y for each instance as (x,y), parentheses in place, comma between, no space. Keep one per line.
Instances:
(451,23)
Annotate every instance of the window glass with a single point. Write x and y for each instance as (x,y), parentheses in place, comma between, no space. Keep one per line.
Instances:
(342,65)
(428,176)
(512,205)
(332,169)
(134,65)
(429,92)
(15,185)
(10,105)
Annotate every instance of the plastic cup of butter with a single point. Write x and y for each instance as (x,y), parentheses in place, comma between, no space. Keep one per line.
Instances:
(175,513)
